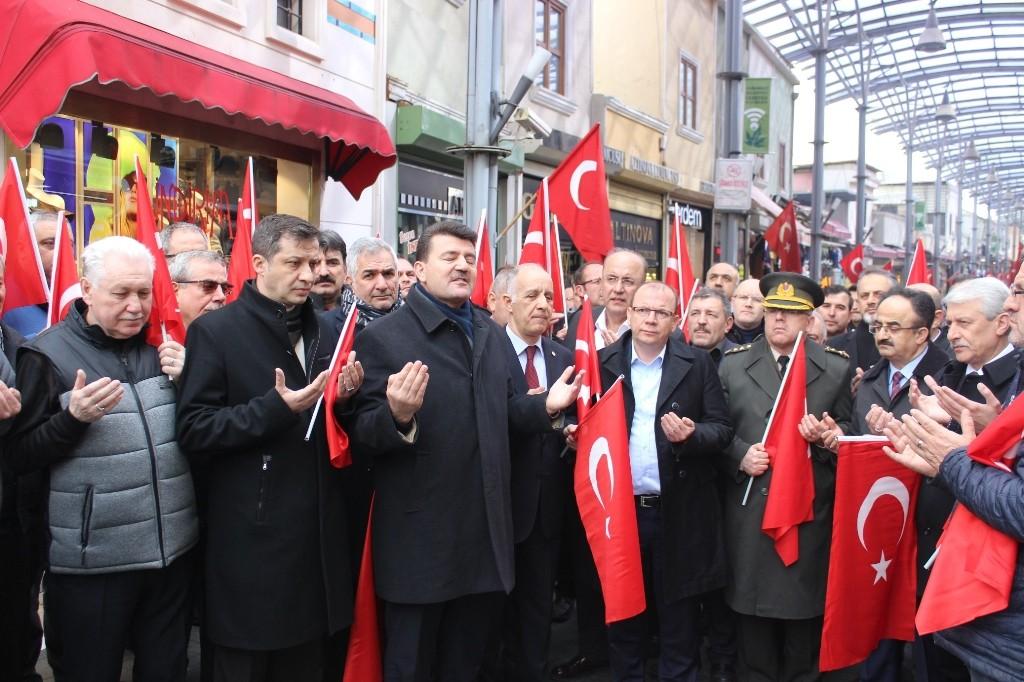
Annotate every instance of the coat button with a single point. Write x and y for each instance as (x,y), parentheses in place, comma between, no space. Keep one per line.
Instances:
(764,491)
(682,474)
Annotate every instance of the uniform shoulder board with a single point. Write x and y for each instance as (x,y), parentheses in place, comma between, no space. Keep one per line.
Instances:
(836,351)
(739,349)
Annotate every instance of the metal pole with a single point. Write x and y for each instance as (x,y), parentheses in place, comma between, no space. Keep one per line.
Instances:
(974,221)
(818,179)
(497,46)
(940,217)
(958,254)
(862,174)
(988,229)
(733,119)
(479,111)
(908,234)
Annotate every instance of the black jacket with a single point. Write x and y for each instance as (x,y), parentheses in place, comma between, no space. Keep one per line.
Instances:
(442,514)
(692,530)
(277,553)
(859,344)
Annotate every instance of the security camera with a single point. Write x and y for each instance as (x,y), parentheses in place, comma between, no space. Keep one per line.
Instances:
(532,122)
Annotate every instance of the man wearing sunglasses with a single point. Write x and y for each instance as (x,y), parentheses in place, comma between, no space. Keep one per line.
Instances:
(200,280)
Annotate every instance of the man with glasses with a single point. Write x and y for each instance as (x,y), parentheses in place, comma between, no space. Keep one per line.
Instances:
(748,312)
(678,425)
(872,285)
(779,608)
(587,282)
(200,280)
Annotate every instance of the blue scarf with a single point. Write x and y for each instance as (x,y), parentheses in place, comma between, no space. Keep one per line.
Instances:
(462,316)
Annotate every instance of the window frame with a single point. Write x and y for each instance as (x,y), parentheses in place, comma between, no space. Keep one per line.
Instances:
(687,65)
(561,8)
(307,43)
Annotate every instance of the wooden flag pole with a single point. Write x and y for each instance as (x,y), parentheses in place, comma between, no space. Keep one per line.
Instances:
(528,204)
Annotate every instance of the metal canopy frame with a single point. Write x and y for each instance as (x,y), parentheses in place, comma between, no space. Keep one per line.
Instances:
(981,69)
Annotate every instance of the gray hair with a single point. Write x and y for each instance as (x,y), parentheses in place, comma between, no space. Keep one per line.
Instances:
(37,217)
(95,256)
(718,295)
(365,245)
(510,288)
(504,280)
(873,270)
(988,291)
(181,264)
(165,234)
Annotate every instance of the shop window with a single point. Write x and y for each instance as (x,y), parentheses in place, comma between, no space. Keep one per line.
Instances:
(687,93)
(549,29)
(289,15)
(87,168)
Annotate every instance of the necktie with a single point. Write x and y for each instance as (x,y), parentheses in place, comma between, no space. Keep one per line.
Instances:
(897,381)
(783,361)
(532,381)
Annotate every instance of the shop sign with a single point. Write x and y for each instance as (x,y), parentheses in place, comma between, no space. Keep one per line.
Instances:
(640,234)
(690,216)
(734,179)
(429,192)
(756,115)
(653,170)
(614,157)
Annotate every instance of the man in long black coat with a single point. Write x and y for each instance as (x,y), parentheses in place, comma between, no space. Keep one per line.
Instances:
(434,416)
(679,424)
(278,574)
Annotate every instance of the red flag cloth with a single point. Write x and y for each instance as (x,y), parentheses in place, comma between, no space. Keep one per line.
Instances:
(484,264)
(872,570)
(337,438)
(919,273)
(973,574)
(164,318)
(363,661)
(542,248)
(853,263)
(791,492)
(586,360)
(888,266)
(782,238)
(577,193)
(65,284)
(604,494)
(240,269)
(678,269)
(26,283)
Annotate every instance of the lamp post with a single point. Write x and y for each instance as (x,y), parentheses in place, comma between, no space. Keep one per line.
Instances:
(944,114)
(991,181)
(970,154)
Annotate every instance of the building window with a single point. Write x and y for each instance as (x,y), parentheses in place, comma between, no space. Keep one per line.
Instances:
(549,28)
(289,15)
(687,93)
(782,166)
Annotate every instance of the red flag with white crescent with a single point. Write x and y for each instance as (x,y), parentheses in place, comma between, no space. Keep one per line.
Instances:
(586,360)
(484,264)
(24,278)
(872,570)
(65,284)
(240,268)
(604,494)
(165,321)
(782,238)
(853,263)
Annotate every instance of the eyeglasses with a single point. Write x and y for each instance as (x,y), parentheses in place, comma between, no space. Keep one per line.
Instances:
(587,282)
(891,328)
(210,285)
(1016,292)
(659,313)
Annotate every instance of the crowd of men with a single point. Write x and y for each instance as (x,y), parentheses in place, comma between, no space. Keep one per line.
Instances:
(153,488)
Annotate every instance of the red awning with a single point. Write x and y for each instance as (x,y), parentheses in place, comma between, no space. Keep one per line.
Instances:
(50,47)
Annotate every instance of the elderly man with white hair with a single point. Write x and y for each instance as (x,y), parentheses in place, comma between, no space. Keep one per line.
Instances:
(372,283)
(200,281)
(98,417)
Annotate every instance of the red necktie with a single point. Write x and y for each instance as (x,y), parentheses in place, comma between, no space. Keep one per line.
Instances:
(532,381)
(897,380)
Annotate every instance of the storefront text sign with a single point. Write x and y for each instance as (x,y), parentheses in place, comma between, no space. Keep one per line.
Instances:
(733,181)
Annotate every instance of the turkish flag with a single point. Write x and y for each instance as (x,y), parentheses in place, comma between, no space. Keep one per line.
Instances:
(888,266)
(577,193)
(363,659)
(872,570)
(240,269)
(586,360)
(791,492)
(973,574)
(853,263)
(919,273)
(165,321)
(337,438)
(484,264)
(604,495)
(65,284)
(26,283)
(541,247)
(678,269)
(782,238)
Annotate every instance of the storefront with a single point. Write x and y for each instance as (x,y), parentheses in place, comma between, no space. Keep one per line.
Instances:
(84,91)
(425,196)
(697,221)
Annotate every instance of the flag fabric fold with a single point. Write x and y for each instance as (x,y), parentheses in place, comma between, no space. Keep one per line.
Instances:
(872,575)
(586,360)
(781,237)
(678,269)
(604,494)
(541,247)
(791,491)
(240,268)
(24,277)
(363,662)
(65,284)
(919,273)
(337,438)
(973,573)
(484,264)
(165,321)
(853,263)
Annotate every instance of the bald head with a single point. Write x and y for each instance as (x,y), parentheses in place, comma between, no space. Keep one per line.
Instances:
(623,272)
(723,277)
(933,293)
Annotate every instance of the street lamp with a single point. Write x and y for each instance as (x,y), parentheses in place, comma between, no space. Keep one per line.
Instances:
(931,39)
(946,111)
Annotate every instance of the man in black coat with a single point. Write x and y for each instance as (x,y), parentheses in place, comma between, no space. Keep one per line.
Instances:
(540,475)
(858,343)
(278,574)
(434,417)
(679,424)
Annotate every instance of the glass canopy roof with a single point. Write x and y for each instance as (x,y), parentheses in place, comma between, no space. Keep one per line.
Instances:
(981,70)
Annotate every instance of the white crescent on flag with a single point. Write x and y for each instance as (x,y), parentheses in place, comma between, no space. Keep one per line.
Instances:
(857,266)
(585,166)
(886,485)
(70,295)
(601,451)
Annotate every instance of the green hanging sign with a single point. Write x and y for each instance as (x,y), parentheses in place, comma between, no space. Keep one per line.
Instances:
(756,115)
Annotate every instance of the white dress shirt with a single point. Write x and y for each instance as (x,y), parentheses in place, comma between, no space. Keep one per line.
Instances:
(643,449)
(601,324)
(520,347)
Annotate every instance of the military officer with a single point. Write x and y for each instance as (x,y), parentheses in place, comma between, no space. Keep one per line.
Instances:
(779,609)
